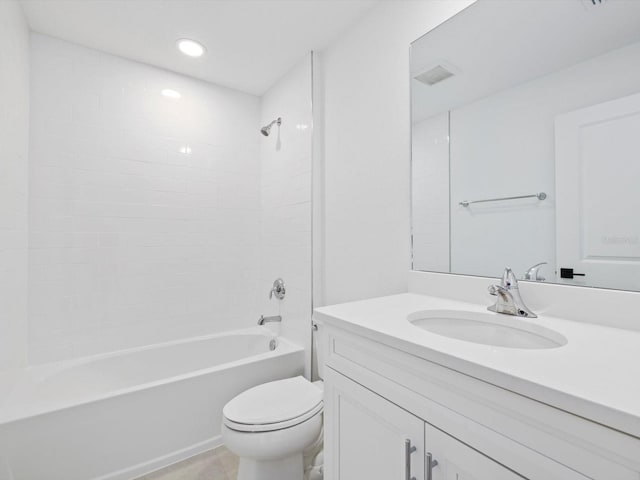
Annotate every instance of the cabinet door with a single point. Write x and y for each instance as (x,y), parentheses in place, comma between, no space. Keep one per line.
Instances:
(457,461)
(368,437)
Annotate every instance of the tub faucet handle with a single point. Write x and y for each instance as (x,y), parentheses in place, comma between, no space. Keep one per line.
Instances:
(278,289)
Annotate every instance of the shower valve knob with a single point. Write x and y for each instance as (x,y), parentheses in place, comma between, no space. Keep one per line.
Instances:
(278,289)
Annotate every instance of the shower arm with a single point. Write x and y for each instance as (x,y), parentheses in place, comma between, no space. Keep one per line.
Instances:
(277,121)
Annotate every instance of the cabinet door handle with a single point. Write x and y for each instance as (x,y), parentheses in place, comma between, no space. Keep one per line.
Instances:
(430,463)
(408,450)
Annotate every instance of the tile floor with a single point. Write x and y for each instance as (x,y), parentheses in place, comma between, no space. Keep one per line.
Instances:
(218,464)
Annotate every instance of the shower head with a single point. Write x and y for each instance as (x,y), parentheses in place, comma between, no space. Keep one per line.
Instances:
(266,130)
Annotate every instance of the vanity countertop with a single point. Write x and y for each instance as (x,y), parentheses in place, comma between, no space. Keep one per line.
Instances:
(596,375)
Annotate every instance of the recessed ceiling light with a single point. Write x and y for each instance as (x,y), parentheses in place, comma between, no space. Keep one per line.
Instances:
(190,47)
(167,92)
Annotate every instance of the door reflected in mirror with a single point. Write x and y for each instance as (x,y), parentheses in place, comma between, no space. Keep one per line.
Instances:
(526,142)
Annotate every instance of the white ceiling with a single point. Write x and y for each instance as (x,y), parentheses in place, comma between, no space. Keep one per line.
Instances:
(250,43)
(495,45)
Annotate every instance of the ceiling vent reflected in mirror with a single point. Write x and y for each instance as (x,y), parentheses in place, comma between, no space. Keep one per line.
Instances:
(434,75)
(592,3)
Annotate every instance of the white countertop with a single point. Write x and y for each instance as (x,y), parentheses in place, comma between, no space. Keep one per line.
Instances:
(596,375)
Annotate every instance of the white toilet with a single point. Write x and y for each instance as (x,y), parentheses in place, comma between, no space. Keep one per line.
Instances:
(275,429)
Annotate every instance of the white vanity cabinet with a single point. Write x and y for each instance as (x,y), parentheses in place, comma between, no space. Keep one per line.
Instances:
(375,439)
(378,398)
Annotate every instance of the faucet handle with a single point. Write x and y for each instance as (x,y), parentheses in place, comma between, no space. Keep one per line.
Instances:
(496,290)
(532,273)
(509,280)
(278,289)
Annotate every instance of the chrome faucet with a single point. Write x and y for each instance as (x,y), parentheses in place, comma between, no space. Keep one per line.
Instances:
(275,318)
(509,300)
(533,273)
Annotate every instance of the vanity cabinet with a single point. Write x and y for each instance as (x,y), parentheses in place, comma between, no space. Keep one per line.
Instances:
(376,439)
(386,410)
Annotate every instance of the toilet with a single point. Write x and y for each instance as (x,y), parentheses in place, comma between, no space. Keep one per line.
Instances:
(276,430)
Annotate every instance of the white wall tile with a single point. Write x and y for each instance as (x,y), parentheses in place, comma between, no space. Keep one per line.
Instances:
(135,242)
(430,193)
(286,202)
(131,240)
(14,143)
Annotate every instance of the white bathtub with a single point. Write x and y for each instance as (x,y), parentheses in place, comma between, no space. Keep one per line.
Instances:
(121,415)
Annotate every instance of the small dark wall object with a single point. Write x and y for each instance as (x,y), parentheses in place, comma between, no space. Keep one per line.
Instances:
(569,273)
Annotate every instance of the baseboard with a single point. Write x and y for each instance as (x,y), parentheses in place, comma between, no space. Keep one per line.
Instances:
(144,468)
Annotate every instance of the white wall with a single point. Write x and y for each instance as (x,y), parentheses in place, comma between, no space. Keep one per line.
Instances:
(430,193)
(367,149)
(14,143)
(285,158)
(131,241)
(508,141)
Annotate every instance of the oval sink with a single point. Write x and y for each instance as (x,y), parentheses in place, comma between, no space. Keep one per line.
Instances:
(487,328)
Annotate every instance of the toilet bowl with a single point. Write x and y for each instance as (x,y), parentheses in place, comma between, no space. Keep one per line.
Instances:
(276,428)
(273,427)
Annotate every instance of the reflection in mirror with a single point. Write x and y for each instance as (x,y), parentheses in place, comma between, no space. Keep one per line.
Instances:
(526,142)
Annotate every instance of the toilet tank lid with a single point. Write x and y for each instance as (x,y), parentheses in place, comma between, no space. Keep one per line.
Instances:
(274,402)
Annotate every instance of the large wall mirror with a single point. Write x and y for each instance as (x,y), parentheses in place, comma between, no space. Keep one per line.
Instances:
(526,142)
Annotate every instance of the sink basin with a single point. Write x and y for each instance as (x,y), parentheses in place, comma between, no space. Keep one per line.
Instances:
(487,328)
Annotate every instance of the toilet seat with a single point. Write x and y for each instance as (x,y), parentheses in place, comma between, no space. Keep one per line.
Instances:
(273,406)
(272,427)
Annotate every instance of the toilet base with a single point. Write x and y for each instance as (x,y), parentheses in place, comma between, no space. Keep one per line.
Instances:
(287,468)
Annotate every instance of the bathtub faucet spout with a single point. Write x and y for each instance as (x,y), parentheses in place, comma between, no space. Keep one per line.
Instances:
(263,319)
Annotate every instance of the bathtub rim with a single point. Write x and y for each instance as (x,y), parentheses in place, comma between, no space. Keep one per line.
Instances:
(39,372)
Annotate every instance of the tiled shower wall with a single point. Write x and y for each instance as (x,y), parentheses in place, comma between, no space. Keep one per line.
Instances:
(14,143)
(144,220)
(286,201)
(430,193)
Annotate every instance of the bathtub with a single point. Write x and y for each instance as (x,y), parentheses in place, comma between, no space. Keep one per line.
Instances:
(124,414)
